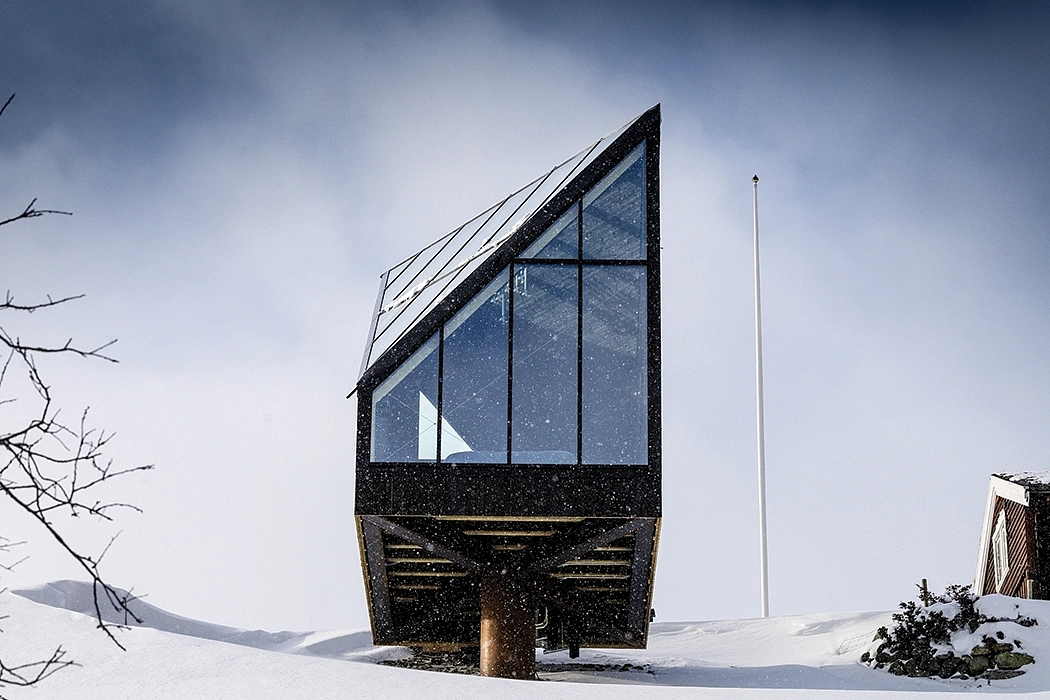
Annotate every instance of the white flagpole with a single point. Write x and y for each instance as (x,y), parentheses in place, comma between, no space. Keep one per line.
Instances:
(764,569)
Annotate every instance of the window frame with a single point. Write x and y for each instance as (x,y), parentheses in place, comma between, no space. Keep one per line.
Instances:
(1001,550)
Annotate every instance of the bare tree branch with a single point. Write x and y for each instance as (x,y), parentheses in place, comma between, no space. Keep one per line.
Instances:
(9,303)
(35,671)
(50,468)
(31,213)
(6,545)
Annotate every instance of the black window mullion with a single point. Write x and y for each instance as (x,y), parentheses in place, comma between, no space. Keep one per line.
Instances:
(553,262)
(440,396)
(510,359)
(614,261)
(579,333)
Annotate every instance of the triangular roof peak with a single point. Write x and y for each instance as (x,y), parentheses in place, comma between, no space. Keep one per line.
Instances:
(418,286)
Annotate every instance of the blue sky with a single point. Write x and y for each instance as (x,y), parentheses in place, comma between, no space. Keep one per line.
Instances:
(240,174)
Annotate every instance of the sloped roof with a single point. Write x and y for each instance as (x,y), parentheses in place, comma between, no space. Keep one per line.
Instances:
(415,286)
(1037,481)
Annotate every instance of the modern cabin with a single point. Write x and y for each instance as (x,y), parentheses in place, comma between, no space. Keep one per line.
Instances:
(1013,557)
(509,420)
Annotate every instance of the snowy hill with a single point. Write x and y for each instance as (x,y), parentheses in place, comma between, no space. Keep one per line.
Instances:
(174,657)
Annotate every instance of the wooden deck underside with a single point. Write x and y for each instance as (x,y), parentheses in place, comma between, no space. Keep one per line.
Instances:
(592,577)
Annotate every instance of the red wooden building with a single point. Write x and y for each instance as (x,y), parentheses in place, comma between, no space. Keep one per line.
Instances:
(1013,557)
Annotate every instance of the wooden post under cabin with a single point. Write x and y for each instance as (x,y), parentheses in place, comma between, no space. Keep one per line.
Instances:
(508,628)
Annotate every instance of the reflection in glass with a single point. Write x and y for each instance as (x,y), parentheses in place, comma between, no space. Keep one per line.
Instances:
(451,441)
(543,419)
(560,241)
(615,426)
(474,386)
(614,212)
(403,427)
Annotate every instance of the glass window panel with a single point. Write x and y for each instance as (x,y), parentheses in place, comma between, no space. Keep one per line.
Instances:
(474,386)
(543,419)
(403,415)
(561,240)
(614,212)
(615,396)
(401,320)
(442,266)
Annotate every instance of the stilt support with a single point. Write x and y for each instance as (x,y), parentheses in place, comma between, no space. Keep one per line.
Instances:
(508,628)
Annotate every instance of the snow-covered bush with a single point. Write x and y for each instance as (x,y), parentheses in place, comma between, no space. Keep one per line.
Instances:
(948,636)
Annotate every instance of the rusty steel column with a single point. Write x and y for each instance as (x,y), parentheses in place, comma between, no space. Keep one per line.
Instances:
(508,628)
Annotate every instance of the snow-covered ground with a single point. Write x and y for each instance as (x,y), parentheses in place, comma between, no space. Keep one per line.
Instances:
(178,658)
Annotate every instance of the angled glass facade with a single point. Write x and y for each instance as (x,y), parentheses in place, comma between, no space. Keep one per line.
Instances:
(548,363)
(412,288)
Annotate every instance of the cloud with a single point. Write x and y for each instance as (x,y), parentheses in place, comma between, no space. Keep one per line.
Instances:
(241,175)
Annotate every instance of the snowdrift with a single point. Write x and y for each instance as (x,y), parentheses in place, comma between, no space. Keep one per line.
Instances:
(169,656)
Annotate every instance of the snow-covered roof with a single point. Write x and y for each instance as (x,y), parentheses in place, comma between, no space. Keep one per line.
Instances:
(1037,481)
(412,288)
